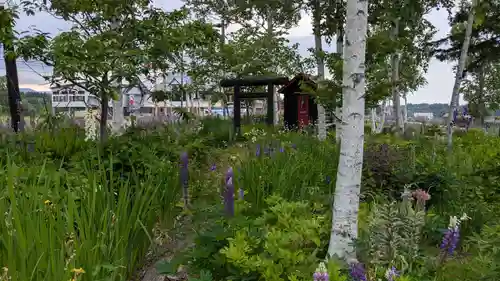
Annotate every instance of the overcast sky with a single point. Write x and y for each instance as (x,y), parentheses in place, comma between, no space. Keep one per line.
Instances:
(440,76)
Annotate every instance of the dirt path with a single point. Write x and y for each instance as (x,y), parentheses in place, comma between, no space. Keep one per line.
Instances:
(181,238)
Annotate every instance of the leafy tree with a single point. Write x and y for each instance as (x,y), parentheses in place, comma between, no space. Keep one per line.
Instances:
(481,89)
(406,33)
(110,42)
(484,47)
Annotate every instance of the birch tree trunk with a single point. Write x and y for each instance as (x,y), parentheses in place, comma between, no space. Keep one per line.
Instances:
(374,120)
(118,116)
(338,110)
(395,61)
(455,95)
(382,118)
(405,110)
(270,34)
(481,102)
(222,42)
(346,204)
(321,66)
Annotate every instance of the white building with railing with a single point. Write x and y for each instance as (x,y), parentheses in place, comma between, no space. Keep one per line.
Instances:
(75,101)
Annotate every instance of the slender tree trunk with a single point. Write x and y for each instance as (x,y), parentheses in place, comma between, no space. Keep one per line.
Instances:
(222,42)
(346,203)
(481,106)
(14,96)
(103,122)
(405,111)
(374,120)
(118,116)
(455,96)
(395,61)
(321,66)
(270,34)
(382,118)
(338,109)
(378,127)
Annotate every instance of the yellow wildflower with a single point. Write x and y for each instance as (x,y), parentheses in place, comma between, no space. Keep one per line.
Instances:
(78,270)
(47,202)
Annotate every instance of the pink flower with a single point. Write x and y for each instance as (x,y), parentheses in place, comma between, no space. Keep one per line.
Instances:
(421,195)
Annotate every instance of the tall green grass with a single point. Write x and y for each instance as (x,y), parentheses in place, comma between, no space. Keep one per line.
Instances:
(293,166)
(90,217)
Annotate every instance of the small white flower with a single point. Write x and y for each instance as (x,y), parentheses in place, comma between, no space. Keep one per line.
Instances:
(90,125)
(454,222)
(464,217)
(321,268)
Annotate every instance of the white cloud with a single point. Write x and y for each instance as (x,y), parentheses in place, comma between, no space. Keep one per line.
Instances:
(304,28)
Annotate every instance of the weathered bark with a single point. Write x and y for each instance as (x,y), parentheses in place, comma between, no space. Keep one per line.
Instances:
(320,65)
(338,110)
(458,76)
(346,204)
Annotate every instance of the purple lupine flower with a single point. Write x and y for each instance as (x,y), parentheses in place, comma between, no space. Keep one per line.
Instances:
(294,146)
(229,193)
(450,240)
(321,274)
(257,150)
(357,271)
(184,177)
(282,149)
(213,167)
(391,274)
(229,174)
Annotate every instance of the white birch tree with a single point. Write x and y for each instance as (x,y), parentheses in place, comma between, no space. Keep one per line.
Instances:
(455,96)
(346,204)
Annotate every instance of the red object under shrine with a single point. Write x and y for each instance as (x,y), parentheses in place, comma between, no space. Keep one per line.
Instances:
(300,108)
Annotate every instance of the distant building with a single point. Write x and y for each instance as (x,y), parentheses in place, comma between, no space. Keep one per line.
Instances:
(74,101)
(423,116)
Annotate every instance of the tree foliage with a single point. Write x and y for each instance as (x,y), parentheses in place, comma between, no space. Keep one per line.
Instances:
(484,45)
(481,89)
(111,42)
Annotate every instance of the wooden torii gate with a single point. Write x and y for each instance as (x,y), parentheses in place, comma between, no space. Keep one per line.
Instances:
(252,81)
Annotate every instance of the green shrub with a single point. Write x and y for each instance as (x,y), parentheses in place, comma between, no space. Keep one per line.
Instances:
(248,248)
(482,261)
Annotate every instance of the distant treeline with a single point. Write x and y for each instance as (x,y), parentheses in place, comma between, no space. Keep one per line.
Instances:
(33,102)
(438,109)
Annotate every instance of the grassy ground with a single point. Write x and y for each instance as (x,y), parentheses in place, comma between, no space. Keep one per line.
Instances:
(115,211)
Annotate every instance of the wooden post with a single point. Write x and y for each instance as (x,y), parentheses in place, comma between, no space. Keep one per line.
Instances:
(270,104)
(237,111)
